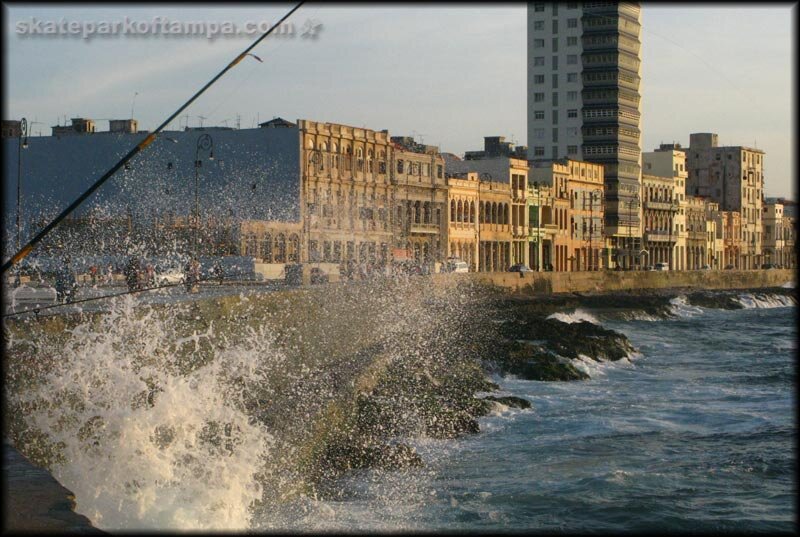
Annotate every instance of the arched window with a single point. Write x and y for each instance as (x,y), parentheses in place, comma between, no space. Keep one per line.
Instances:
(417,212)
(280,248)
(452,210)
(266,248)
(370,157)
(359,159)
(471,212)
(294,248)
(460,213)
(382,161)
(348,158)
(334,156)
(400,166)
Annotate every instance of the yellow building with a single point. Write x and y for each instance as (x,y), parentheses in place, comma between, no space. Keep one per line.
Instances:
(577,192)
(420,201)
(462,233)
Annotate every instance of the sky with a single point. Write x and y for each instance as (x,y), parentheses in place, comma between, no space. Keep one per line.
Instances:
(446,74)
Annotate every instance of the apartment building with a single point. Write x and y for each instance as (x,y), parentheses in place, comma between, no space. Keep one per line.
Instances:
(664,178)
(733,176)
(584,103)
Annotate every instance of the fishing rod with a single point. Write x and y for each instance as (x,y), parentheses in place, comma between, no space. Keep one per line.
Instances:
(28,248)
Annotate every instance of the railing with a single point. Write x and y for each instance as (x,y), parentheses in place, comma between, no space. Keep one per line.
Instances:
(658,235)
(424,228)
(661,205)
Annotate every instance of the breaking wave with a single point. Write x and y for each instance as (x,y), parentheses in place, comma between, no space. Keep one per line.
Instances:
(680,307)
(150,432)
(576,316)
(758,300)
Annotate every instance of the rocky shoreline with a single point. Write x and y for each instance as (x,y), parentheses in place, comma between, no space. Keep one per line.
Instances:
(514,335)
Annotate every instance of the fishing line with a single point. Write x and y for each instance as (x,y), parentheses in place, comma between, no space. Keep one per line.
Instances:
(28,248)
(92,299)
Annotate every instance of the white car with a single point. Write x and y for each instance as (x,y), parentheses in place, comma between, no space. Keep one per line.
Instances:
(169,276)
(456,265)
(661,266)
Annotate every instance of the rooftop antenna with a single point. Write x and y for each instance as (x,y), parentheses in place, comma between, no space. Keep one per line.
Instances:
(133,102)
(201,120)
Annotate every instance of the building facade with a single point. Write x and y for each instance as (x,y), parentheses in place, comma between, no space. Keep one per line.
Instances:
(420,197)
(733,176)
(584,103)
(668,161)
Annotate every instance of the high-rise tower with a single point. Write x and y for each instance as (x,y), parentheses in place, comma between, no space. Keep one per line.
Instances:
(584,102)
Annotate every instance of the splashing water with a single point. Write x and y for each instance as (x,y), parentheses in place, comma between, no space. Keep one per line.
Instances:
(680,307)
(749,301)
(576,316)
(147,441)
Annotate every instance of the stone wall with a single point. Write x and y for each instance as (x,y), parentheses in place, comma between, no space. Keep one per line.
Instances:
(606,281)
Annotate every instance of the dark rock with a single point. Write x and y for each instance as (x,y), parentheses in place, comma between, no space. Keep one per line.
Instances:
(510,400)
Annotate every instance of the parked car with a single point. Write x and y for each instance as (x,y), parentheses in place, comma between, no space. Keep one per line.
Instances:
(705,267)
(768,266)
(519,267)
(661,266)
(318,276)
(729,267)
(456,265)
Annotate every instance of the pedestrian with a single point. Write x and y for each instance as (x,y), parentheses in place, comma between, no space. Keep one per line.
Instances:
(131,272)
(66,282)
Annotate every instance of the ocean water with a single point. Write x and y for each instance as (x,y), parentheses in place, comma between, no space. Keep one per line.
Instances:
(697,432)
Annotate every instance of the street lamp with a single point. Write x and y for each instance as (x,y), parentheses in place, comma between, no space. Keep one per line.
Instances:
(489,177)
(596,193)
(631,202)
(204,143)
(22,142)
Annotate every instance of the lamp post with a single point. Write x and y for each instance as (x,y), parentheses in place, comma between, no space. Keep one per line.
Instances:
(596,193)
(631,202)
(488,176)
(204,143)
(22,142)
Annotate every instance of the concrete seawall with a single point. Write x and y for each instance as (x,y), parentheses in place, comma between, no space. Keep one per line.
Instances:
(35,501)
(608,281)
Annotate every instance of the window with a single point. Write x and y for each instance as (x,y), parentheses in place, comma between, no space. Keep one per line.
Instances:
(538,134)
(555,151)
(538,6)
(538,97)
(572,149)
(572,59)
(538,25)
(538,79)
(439,171)
(572,77)
(555,63)
(555,43)
(572,41)
(555,117)
(555,26)
(572,5)
(572,112)
(572,131)
(538,43)
(555,99)
(572,23)
(538,151)
(572,96)
(555,136)
(539,60)
(555,80)
(538,114)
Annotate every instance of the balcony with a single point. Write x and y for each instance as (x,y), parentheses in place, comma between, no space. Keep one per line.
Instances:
(697,235)
(518,231)
(427,229)
(659,235)
(660,205)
